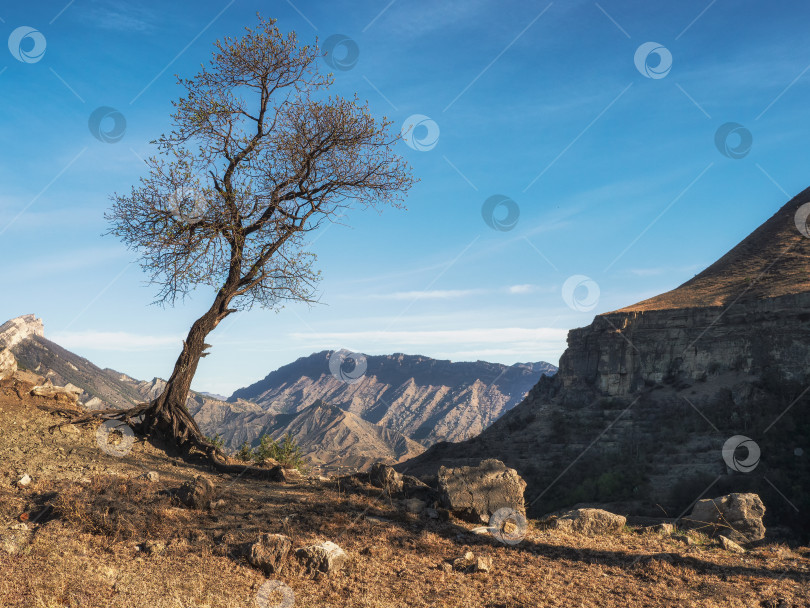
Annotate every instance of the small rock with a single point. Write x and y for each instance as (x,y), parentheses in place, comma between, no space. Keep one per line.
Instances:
(446,566)
(152,476)
(431,513)
(730,545)
(664,528)
(270,552)
(683,538)
(196,494)
(325,557)
(483,563)
(20,526)
(24,480)
(465,562)
(15,542)
(217,504)
(153,547)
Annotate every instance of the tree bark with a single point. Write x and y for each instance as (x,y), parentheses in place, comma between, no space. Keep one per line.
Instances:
(168,416)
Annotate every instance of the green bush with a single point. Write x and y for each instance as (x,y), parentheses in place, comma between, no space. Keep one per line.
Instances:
(286,451)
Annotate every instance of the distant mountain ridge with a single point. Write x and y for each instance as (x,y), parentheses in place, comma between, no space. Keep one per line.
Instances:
(426,399)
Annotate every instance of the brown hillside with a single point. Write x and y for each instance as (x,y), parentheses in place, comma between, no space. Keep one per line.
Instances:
(772,261)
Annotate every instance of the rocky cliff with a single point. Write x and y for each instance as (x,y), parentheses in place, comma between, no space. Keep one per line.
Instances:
(647,397)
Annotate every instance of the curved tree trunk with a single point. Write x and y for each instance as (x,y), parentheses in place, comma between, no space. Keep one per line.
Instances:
(168,416)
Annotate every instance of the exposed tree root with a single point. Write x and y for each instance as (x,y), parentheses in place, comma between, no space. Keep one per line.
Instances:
(174,425)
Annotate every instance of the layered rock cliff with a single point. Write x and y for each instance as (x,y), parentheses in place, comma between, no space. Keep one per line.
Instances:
(648,396)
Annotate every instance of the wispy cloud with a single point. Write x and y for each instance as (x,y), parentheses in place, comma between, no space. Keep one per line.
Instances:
(120,16)
(114,341)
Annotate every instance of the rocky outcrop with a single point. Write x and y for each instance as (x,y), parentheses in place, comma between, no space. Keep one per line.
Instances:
(14,331)
(648,398)
(736,516)
(476,492)
(8,364)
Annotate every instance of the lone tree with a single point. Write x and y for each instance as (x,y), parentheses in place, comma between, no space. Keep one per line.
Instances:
(258,157)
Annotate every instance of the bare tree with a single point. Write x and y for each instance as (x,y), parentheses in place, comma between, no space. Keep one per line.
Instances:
(258,157)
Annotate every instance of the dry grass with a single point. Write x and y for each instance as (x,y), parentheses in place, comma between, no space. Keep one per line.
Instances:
(87,547)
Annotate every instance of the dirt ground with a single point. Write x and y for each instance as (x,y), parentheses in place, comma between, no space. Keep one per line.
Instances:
(100,534)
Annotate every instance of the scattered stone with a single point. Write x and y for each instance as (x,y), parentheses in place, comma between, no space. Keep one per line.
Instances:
(325,557)
(737,516)
(8,364)
(153,547)
(447,567)
(20,526)
(665,529)
(475,493)
(469,563)
(25,480)
(588,521)
(196,494)
(152,476)
(270,552)
(385,477)
(414,505)
(730,545)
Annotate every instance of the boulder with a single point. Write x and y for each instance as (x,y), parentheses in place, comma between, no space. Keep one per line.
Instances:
(737,516)
(475,493)
(270,552)
(69,392)
(385,477)
(325,557)
(196,494)
(8,364)
(588,521)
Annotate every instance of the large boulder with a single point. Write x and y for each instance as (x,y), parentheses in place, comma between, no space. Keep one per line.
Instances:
(325,557)
(736,516)
(8,364)
(588,521)
(68,392)
(270,552)
(475,493)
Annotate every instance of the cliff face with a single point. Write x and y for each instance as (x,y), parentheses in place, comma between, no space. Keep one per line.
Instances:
(621,353)
(647,397)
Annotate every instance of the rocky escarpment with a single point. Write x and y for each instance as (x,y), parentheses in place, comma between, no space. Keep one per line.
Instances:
(650,401)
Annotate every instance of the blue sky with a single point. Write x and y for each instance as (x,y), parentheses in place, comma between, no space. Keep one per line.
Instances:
(616,175)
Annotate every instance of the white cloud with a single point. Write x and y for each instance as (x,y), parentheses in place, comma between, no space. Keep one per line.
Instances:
(435,294)
(115,341)
(521,289)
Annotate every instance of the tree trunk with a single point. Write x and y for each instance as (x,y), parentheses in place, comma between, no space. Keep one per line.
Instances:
(168,415)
